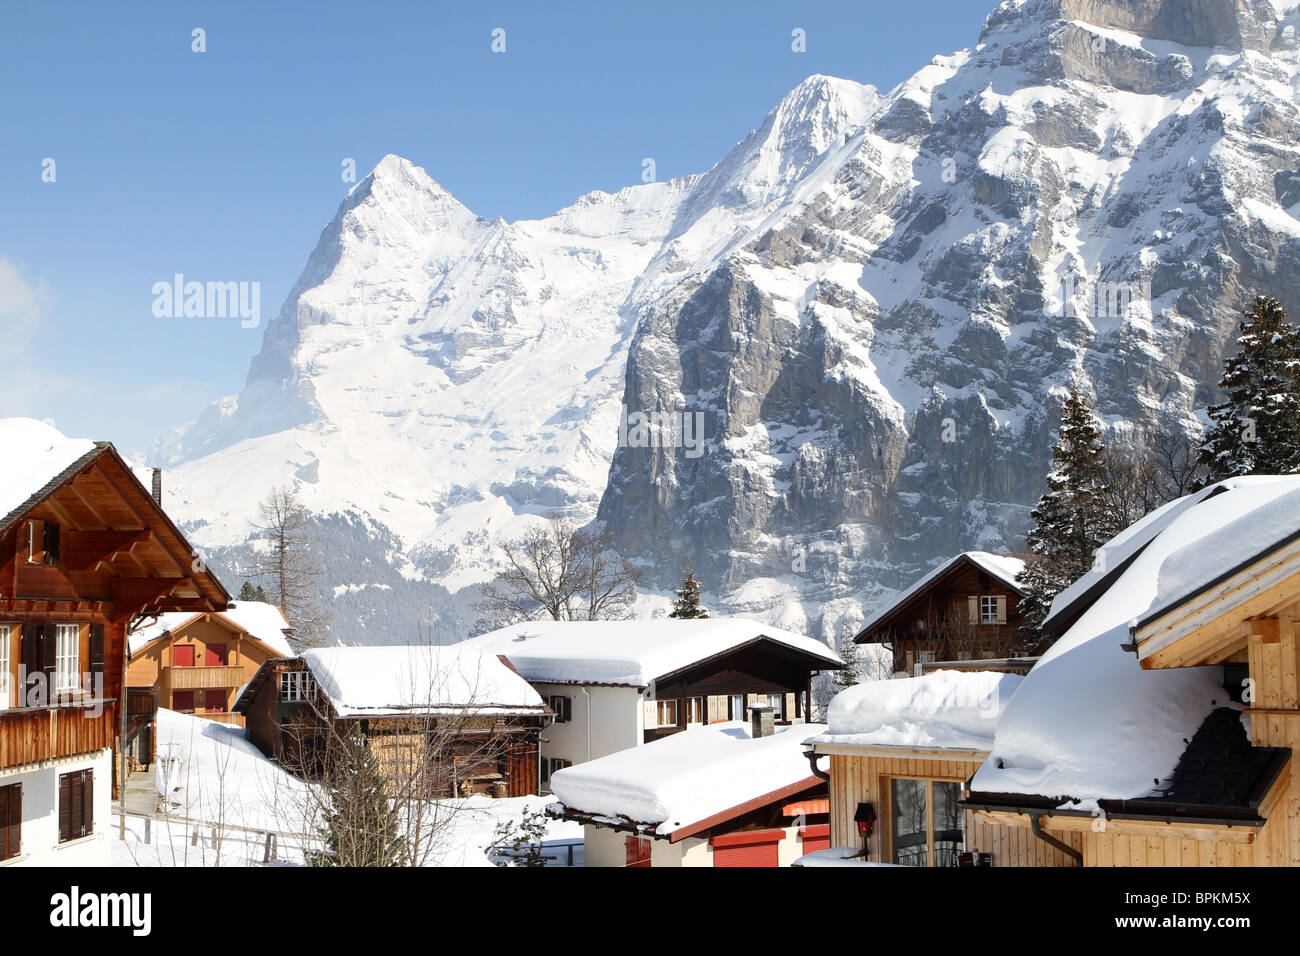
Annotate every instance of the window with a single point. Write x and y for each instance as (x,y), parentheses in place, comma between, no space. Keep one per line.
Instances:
(988,609)
(563,707)
(11,820)
(6,682)
(665,713)
(42,542)
(926,824)
(67,657)
(552,764)
(694,710)
(214,701)
(297,686)
(76,805)
(736,706)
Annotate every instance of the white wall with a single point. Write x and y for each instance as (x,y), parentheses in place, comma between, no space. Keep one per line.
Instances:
(613,715)
(40,836)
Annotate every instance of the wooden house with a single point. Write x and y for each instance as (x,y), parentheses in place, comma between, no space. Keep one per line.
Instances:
(196,663)
(968,608)
(1160,728)
(725,795)
(620,684)
(85,550)
(441,721)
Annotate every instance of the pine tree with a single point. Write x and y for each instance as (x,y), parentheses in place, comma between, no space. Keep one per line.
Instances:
(1257,430)
(848,651)
(687,605)
(250,593)
(361,828)
(1072,520)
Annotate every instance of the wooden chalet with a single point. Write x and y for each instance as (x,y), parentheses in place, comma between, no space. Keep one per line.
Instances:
(966,609)
(196,663)
(1173,739)
(85,551)
(445,721)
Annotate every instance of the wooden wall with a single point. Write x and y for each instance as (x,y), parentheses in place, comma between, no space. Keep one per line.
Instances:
(866,779)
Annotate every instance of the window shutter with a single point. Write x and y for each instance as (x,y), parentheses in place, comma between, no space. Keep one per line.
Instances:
(51,543)
(973,609)
(31,660)
(1002,609)
(88,802)
(96,652)
(11,819)
(651,714)
(49,647)
(65,808)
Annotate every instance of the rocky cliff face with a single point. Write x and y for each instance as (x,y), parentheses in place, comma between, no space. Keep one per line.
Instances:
(866,307)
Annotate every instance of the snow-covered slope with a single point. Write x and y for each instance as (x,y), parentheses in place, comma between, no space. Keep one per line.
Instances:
(871,301)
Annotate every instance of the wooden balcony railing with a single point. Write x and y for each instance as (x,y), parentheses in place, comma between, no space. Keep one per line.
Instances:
(203,678)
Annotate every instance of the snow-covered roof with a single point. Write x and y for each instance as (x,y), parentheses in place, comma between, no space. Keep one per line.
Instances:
(1001,566)
(1088,722)
(633,653)
(34,453)
(425,679)
(263,621)
(679,781)
(944,710)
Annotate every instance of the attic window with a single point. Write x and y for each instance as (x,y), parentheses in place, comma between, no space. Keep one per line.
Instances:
(42,542)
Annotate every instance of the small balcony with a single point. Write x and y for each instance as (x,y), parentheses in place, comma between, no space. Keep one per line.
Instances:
(203,678)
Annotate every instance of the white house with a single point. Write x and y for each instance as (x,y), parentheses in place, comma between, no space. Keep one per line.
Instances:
(618,684)
(729,794)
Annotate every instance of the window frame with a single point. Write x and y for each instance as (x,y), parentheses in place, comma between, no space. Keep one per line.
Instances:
(563,707)
(6,662)
(296,687)
(890,851)
(660,705)
(85,826)
(67,665)
(988,609)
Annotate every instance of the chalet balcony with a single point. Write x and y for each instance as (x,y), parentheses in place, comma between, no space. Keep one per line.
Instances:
(202,678)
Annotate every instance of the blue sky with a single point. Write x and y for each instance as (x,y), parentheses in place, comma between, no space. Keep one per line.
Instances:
(225,165)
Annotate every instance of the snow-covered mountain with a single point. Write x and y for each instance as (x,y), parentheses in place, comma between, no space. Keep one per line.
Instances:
(868,302)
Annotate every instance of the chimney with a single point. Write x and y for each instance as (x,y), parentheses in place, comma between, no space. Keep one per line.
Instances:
(760,721)
(157,487)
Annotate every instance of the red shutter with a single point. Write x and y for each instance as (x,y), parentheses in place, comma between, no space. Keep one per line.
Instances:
(746,848)
(817,837)
(183,655)
(638,852)
(215,655)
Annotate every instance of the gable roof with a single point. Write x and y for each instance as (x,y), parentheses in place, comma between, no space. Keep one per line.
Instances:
(1088,722)
(633,653)
(689,781)
(1003,567)
(418,679)
(259,620)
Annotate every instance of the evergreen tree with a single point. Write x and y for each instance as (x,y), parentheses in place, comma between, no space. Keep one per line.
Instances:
(250,593)
(1257,430)
(848,651)
(687,605)
(361,828)
(1072,520)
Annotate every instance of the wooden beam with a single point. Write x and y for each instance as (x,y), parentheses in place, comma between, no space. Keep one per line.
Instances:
(87,503)
(1242,834)
(86,550)
(1267,629)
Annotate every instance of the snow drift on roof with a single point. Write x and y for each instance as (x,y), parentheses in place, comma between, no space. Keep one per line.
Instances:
(263,621)
(628,652)
(680,780)
(1088,722)
(34,453)
(1002,566)
(422,678)
(956,710)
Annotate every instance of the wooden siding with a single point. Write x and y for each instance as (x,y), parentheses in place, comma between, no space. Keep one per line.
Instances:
(866,779)
(29,736)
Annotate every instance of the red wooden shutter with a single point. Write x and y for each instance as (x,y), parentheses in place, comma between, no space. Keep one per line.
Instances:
(746,848)
(215,655)
(183,655)
(638,852)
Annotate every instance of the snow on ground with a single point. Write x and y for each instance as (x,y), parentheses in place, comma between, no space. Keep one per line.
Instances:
(218,777)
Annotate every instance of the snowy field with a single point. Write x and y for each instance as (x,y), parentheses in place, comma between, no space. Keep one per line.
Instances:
(221,787)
